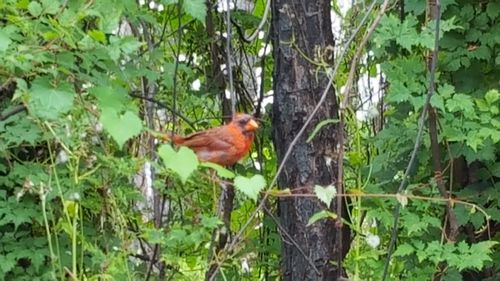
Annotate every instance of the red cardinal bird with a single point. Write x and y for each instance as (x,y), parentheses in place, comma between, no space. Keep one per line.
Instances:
(223,145)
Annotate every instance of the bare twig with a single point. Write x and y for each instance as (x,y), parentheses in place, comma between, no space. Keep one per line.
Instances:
(176,67)
(15,110)
(290,238)
(343,105)
(263,20)
(418,139)
(164,105)
(229,66)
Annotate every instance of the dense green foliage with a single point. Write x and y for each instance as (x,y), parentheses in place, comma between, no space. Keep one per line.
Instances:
(467,103)
(69,204)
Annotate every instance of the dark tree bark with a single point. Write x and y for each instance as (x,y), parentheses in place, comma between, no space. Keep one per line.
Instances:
(303,28)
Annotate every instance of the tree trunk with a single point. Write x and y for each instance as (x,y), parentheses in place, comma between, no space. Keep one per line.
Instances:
(301,33)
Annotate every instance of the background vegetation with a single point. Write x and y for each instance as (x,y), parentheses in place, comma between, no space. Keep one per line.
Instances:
(86,193)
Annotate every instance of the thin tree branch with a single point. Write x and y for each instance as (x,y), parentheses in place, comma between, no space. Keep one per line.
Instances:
(343,105)
(229,66)
(15,110)
(169,108)
(418,139)
(176,67)
(289,237)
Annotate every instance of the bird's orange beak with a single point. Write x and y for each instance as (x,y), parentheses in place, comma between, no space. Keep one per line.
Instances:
(252,125)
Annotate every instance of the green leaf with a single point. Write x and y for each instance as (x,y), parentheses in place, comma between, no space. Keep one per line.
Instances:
(21,130)
(485,153)
(129,45)
(122,45)
(415,7)
(404,250)
(495,171)
(183,162)
(416,224)
(197,9)
(210,222)
(98,35)
(482,105)
(176,237)
(221,171)
(154,236)
(486,132)
(168,74)
(251,187)
(355,158)
(319,126)
(37,259)
(110,97)
(480,53)
(460,102)
(48,102)
(494,110)
(50,6)
(321,215)
(391,28)
(6,263)
(398,92)
(454,134)
(426,39)
(35,8)
(121,127)
(325,194)
(4,40)
(437,102)
(446,90)
(405,34)
(492,96)
(476,256)
(493,9)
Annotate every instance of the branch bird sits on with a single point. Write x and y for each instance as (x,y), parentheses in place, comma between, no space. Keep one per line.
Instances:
(224,145)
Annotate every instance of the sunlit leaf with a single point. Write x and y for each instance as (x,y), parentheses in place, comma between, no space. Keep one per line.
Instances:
(196,8)
(492,96)
(121,127)
(460,102)
(50,6)
(221,171)
(251,187)
(98,35)
(325,194)
(110,97)
(35,8)
(321,215)
(183,162)
(321,125)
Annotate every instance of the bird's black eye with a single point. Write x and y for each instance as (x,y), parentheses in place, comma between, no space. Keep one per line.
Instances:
(243,121)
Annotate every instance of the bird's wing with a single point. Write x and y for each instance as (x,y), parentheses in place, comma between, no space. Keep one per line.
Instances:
(215,139)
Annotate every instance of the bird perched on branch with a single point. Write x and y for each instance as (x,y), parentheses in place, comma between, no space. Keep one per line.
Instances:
(224,145)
